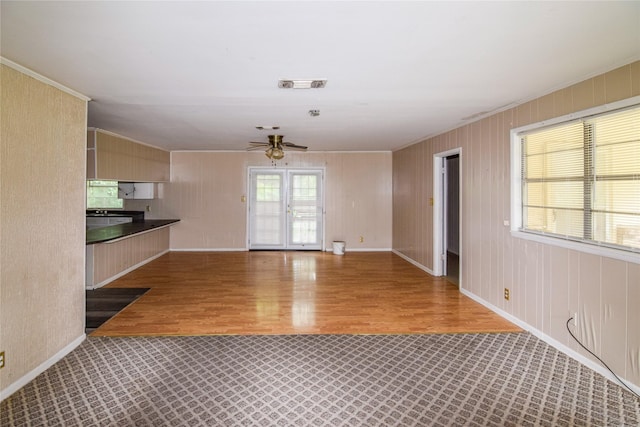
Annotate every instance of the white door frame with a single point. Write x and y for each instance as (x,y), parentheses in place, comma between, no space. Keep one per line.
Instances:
(251,169)
(438,210)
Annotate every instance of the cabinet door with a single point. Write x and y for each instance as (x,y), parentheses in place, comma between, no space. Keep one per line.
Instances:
(120,159)
(143,190)
(91,154)
(126,190)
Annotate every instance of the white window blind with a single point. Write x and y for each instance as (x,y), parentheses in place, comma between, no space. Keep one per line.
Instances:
(581,180)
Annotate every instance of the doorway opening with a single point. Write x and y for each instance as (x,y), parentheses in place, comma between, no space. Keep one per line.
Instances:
(446,226)
(286,209)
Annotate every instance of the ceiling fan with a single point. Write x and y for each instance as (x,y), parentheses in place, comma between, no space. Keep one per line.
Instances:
(275,147)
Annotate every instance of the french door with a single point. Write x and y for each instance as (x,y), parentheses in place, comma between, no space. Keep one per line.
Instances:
(285,209)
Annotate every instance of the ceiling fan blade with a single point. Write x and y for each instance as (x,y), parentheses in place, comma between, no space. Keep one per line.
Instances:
(294,146)
(255,147)
(259,143)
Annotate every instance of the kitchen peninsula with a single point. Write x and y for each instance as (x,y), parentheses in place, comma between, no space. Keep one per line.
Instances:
(114,250)
(123,231)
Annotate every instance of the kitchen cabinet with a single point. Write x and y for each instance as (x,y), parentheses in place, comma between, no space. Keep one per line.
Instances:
(113,157)
(136,190)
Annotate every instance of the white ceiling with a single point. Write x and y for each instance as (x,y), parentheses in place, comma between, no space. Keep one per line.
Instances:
(202,75)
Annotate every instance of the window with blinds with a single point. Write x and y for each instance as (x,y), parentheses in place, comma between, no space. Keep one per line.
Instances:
(581,180)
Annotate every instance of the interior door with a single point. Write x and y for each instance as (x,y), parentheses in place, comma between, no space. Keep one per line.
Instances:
(451,217)
(286,209)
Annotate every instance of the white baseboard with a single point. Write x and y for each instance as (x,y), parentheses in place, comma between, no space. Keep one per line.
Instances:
(128,270)
(361,249)
(209,250)
(417,264)
(30,376)
(245,250)
(551,341)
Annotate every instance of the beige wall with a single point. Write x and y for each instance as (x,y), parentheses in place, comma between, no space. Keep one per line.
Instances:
(206,189)
(548,284)
(42,234)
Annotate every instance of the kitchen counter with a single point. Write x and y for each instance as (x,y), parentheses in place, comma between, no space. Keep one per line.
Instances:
(136,216)
(119,231)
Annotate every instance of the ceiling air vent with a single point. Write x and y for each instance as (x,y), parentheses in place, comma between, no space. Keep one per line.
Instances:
(302,84)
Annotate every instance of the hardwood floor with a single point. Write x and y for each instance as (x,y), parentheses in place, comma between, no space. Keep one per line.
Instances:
(207,293)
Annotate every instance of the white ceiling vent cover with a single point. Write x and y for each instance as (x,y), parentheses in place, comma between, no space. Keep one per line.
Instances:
(302,84)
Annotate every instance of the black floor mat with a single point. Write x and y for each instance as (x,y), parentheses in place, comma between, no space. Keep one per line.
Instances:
(104,303)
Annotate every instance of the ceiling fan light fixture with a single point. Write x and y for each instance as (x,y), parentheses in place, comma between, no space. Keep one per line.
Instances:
(276,146)
(277,153)
(302,84)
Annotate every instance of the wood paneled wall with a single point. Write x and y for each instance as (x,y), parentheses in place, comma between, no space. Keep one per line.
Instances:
(548,284)
(111,259)
(206,192)
(42,233)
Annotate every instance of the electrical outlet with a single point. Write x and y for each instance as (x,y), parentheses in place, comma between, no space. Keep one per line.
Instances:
(507,294)
(361,239)
(1,359)
(575,319)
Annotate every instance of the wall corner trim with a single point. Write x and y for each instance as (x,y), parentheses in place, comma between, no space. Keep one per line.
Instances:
(43,79)
(594,366)
(30,376)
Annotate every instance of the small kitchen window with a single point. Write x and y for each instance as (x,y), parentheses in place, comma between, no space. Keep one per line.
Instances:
(103,195)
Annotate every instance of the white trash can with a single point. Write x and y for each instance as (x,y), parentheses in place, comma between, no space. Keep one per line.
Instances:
(338,248)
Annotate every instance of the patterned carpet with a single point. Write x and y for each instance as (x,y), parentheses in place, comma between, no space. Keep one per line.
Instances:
(320,380)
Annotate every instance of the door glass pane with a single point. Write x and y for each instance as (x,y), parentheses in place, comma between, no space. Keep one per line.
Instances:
(267,210)
(305,207)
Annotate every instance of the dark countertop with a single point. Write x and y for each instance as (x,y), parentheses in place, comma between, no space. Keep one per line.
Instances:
(136,216)
(113,232)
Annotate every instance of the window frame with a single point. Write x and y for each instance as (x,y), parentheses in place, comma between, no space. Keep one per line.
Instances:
(516,187)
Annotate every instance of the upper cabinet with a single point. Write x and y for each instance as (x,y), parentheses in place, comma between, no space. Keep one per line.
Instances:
(113,157)
(136,190)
